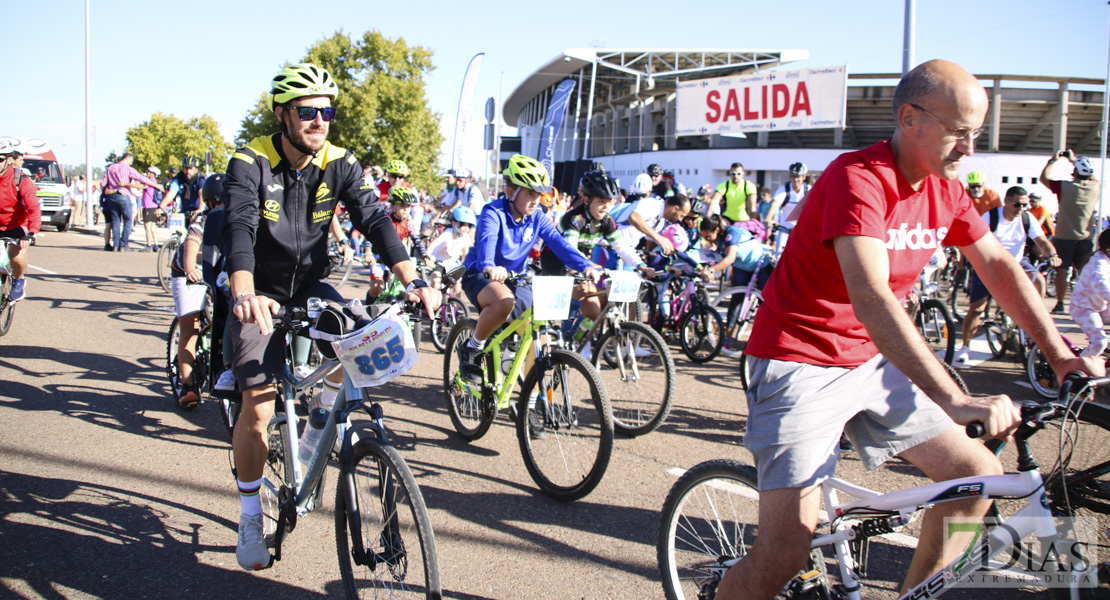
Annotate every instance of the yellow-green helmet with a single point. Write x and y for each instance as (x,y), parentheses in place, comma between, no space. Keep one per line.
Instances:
(976,178)
(527,172)
(397,167)
(300,80)
(400,194)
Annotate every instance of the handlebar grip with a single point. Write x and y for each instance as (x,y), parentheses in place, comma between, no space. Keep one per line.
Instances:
(280,313)
(975,429)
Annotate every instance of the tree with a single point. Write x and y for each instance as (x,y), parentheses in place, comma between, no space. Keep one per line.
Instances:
(163,140)
(383,113)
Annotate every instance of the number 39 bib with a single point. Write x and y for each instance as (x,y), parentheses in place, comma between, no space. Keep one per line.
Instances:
(377,353)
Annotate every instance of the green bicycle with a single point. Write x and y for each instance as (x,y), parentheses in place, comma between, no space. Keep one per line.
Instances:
(564,421)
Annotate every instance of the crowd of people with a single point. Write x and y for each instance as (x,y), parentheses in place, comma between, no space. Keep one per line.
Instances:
(831,349)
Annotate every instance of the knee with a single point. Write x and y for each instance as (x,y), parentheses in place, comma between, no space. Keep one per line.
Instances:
(503,306)
(790,550)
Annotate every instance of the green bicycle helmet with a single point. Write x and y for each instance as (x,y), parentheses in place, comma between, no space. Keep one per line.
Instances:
(397,167)
(527,172)
(400,194)
(976,178)
(300,80)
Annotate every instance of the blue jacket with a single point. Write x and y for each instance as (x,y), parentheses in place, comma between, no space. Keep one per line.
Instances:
(502,242)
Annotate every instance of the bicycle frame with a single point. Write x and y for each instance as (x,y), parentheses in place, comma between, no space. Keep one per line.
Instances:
(529,331)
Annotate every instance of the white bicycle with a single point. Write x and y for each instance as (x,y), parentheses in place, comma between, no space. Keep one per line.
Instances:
(710,516)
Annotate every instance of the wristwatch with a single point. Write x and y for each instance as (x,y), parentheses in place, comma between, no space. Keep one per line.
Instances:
(416,283)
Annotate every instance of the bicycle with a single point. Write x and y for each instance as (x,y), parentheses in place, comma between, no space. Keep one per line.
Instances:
(165,257)
(633,361)
(690,316)
(384,536)
(1004,334)
(7,306)
(931,316)
(710,515)
(338,263)
(564,421)
(744,315)
(450,312)
(1040,373)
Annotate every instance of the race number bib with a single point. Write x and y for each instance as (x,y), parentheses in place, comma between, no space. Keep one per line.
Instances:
(624,286)
(379,352)
(551,298)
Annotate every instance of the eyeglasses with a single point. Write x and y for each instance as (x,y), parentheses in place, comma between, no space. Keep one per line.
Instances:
(957,133)
(736,173)
(308,113)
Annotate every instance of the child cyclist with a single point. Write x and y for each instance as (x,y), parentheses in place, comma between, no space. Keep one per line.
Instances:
(1090,304)
(585,227)
(401,201)
(747,257)
(507,230)
(451,247)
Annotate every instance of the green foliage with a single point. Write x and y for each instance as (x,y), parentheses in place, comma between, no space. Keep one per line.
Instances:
(73,172)
(383,112)
(165,139)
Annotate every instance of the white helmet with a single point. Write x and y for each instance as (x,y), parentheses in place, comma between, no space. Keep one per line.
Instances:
(153,169)
(1083,167)
(641,185)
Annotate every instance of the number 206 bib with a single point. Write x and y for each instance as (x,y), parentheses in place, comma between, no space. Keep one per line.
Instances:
(377,353)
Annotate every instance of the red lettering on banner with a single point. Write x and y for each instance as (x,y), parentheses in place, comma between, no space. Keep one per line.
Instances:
(749,114)
(780,91)
(732,106)
(801,101)
(764,89)
(714,109)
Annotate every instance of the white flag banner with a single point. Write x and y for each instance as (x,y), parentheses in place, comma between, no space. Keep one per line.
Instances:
(466,104)
(770,101)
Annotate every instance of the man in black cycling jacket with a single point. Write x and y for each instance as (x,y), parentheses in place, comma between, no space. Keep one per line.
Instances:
(281,192)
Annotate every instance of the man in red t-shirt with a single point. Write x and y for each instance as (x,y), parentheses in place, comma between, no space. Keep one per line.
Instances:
(19,207)
(832,349)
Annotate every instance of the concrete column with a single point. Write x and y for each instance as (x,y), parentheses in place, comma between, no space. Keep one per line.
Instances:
(996,115)
(1062,126)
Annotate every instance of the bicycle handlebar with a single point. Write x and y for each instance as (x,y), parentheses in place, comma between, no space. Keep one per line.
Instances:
(1034,413)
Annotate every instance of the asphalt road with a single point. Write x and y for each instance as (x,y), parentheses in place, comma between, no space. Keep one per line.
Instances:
(108,490)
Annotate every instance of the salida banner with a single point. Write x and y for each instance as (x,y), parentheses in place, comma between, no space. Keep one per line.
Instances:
(770,101)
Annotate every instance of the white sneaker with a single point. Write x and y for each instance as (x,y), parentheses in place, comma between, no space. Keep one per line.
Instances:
(962,357)
(226,382)
(727,349)
(642,352)
(587,352)
(302,371)
(251,552)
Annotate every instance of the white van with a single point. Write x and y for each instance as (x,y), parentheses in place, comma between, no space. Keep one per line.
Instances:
(45,171)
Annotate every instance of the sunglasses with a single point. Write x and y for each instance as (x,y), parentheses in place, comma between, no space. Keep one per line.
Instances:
(308,113)
(1023,205)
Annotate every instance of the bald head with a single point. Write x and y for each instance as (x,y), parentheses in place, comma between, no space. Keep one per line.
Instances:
(940,82)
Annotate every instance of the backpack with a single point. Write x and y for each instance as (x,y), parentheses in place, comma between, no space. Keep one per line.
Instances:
(994,216)
(749,189)
(759,232)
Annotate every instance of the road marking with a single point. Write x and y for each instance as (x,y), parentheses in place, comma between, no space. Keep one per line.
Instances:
(47,271)
(83,235)
(169,310)
(979,352)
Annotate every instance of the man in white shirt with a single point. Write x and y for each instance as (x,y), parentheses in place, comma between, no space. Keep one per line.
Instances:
(784,202)
(1012,225)
(648,216)
(465,194)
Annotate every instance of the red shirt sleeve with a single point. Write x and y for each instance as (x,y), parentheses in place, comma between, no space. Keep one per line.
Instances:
(1054,186)
(30,199)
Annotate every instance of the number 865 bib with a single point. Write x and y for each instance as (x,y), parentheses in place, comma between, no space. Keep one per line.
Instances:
(379,352)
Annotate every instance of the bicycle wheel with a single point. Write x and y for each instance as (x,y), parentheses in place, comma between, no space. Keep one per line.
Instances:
(566,438)
(344,267)
(173,338)
(638,372)
(1050,281)
(165,257)
(278,472)
(471,411)
(452,311)
(401,559)
(702,334)
(7,314)
(938,329)
(710,516)
(1041,376)
(996,338)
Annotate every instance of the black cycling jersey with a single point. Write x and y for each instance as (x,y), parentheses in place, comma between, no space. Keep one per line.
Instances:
(278,219)
(583,232)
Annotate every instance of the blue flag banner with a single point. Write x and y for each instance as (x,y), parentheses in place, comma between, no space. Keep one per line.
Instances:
(551,123)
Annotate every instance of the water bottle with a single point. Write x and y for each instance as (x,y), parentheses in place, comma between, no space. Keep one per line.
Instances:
(312,433)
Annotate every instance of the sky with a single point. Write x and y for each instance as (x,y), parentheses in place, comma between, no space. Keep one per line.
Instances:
(208,57)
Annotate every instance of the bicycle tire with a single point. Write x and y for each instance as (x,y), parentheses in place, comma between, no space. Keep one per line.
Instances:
(710,516)
(452,311)
(165,256)
(278,470)
(394,521)
(172,341)
(702,338)
(938,328)
(577,439)
(7,314)
(996,338)
(471,415)
(1040,373)
(345,266)
(634,396)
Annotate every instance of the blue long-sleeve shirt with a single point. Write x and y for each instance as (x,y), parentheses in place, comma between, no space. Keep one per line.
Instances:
(502,242)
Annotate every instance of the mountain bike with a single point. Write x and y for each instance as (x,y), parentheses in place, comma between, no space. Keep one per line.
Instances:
(165,257)
(384,538)
(202,383)
(633,361)
(931,316)
(1004,334)
(564,421)
(1040,373)
(710,516)
(683,310)
(450,312)
(7,307)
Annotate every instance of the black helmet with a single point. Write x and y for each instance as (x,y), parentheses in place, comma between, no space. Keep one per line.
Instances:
(698,207)
(213,187)
(190,161)
(798,168)
(598,184)
(669,174)
(654,169)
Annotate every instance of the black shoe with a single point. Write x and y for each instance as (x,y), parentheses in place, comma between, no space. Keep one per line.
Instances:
(1058,309)
(108,248)
(536,429)
(845,444)
(470,363)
